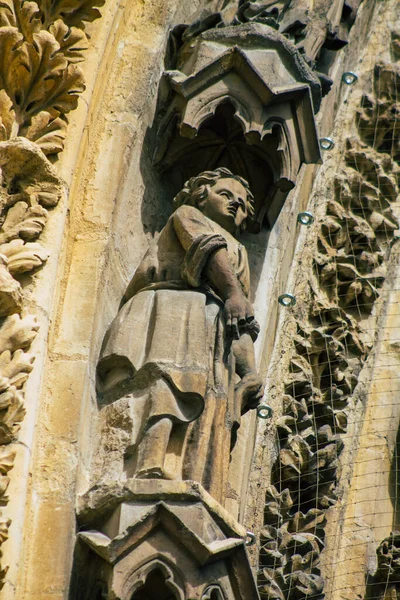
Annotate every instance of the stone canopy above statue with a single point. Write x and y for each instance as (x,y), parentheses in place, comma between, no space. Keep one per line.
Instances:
(244,98)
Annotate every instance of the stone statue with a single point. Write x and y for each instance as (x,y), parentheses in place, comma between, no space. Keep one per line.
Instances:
(181,346)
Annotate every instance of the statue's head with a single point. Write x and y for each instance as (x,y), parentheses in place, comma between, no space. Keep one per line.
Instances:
(221,196)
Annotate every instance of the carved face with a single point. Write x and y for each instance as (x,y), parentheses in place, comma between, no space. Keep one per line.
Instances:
(226,204)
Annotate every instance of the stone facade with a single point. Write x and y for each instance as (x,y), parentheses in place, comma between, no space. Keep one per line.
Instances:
(301,504)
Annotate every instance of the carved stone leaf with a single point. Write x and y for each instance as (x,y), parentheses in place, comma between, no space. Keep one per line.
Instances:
(10,40)
(27,173)
(4,525)
(38,78)
(16,367)
(18,332)
(12,413)
(47,197)
(73,42)
(306,522)
(10,291)
(64,95)
(33,76)
(383,222)
(395,44)
(48,132)
(277,504)
(4,483)
(7,116)
(73,12)
(260,12)
(23,257)
(4,384)
(23,221)
(7,17)
(27,18)
(271,584)
(3,573)
(7,457)
(307,584)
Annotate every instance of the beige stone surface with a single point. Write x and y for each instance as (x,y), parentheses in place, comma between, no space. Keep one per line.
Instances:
(52,560)
(96,241)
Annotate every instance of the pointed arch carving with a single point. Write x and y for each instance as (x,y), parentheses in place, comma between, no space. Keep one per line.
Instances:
(213,592)
(138,579)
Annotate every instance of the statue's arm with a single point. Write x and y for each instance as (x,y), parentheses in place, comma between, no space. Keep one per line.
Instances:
(238,310)
(242,326)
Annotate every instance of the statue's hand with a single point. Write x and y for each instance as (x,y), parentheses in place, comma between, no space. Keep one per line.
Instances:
(238,311)
(249,392)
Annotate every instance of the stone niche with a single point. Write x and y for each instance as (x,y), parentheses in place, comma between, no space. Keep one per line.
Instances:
(163,540)
(239,98)
(243,98)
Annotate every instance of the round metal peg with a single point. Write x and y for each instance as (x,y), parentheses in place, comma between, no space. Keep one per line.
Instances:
(250,538)
(264,411)
(305,218)
(326,143)
(287,300)
(349,77)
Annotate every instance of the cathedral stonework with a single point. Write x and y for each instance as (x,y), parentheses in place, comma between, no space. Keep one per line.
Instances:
(199,300)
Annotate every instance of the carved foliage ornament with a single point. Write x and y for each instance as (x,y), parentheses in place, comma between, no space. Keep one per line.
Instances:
(29,186)
(330,349)
(379,110)
(40,46)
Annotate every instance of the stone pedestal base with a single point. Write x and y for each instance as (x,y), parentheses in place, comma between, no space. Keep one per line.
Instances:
(159,540)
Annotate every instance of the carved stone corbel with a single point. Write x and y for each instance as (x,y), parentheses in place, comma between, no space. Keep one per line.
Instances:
(161,535)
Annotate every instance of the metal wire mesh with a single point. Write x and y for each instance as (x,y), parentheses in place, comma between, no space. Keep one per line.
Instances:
(333,509)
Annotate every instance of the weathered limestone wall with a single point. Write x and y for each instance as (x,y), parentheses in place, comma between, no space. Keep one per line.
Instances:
(97,236)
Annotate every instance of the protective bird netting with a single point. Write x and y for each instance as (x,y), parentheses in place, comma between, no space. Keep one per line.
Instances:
(332,509)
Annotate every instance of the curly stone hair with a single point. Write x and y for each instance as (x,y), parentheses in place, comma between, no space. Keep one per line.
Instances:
(196,189)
